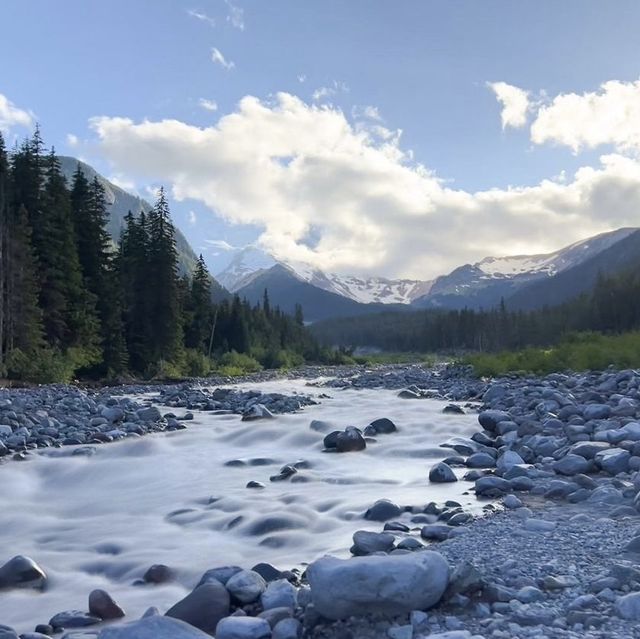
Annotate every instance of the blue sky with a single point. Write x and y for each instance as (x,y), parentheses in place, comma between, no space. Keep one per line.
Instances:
(421,67)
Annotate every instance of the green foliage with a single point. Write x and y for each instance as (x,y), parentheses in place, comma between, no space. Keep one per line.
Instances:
(196,363)
(235,364)
(49,365)
(578,352)
(394,358)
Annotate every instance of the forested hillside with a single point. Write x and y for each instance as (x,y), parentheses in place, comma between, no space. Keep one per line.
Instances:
(71,304)
(612,306)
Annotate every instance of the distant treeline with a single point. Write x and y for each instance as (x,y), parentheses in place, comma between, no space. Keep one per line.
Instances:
(72,302)
(613,306)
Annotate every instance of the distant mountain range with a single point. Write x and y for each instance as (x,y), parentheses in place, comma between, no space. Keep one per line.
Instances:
(120,202)
(524,281)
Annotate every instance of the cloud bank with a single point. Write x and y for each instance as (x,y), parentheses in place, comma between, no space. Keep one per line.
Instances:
(11,115)
(345,196)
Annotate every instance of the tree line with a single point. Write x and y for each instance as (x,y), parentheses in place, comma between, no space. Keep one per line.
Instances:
(75,302)
(611,307)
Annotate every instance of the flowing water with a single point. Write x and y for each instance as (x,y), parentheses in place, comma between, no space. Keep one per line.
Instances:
(101,521)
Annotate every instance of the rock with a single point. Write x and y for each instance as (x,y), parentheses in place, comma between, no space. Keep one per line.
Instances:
(350,440)
(508,460)
(442,473)
(383,510)
(203,607)
(400,632)
(221,574)
(151,414)
(480,460)
(465,580)
(102,605)
(633,545)
(366,542)
(6,632)
(158,574)
(279,594)
(22,572)
(246,586)
(255,484)
(382,584)
(285,472)
(596,411)
(257,411)
(73,619)
(495,391)
(588,450)
(436,532)
(511,502)
(409,394)
(453,409)
(539,525)
(243,628)
(383,426)
(628,606)
(489,419)
(614,460)
(274,615)
(571,464)
(268,572)
(287,629)
(153,627)
(491,486)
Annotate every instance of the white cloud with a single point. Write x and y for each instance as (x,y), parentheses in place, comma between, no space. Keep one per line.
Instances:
(610,115)
(329,91)
(302,78)
(368,112)
(218,58)
(72,140)
(223,245)
(203,17)
(11,115)
(193,218)
(123,182)
(343,199)
(208,105)
(235,16)
(514,101)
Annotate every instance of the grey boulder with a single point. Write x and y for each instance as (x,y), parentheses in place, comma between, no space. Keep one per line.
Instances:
(203,607)
(390,585)
(153,627)
(22,572)
(243,628)
(441,473)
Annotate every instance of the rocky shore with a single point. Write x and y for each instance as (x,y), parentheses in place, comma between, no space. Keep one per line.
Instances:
(556,460)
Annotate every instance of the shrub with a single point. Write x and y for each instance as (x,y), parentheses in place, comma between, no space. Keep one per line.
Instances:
(235,364)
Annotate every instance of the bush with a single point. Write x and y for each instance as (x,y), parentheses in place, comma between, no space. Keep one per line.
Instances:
(578,352)
(234,364)
(196,364)
(43,366)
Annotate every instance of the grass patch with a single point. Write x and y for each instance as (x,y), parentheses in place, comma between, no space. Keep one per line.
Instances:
(577,352)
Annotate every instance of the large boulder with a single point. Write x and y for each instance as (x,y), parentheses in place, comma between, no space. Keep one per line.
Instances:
(489,419)
(571,464)
(203,607)
(441,473)
(243,628)
(366,542)
(154,627)
(596,411)
(390,585)
(613,460)
(102,605)
(246,586)
(22,572)
(383,426)
(383,510)
(350,440)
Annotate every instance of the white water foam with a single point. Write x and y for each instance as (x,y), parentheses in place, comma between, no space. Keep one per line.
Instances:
(101,521)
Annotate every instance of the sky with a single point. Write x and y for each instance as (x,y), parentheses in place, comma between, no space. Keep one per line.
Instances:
(369,137)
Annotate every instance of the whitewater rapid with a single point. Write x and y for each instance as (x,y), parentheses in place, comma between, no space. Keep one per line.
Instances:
(101,521)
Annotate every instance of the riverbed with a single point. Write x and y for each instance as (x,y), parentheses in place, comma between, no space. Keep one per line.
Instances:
(181,499)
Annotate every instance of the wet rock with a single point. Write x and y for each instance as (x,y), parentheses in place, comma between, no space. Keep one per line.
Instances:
(246,586)
(382,584)
(383,510)
(221,574)
(383,426)
(102,605)
(287,629)
(203,607)
(158,574)
(153,627)
(257,411)
(243,628)
(350,440)
(279,594)
(366,542)
(22,572)
(453,409)
(628,606)
(571,464)
(73,619)
(442,473)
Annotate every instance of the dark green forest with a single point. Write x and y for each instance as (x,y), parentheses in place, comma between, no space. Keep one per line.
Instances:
(74,303)
(612,307)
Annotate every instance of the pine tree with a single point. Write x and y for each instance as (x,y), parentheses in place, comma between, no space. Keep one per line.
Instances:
(200,308)
(166,325)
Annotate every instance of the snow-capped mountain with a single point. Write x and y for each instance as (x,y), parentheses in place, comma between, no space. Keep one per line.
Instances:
(251,262)
(486,282)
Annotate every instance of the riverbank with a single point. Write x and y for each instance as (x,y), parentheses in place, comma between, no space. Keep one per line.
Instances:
(560,454)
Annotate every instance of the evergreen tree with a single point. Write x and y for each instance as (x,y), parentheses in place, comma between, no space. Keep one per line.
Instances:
(201,309)
(165,320)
